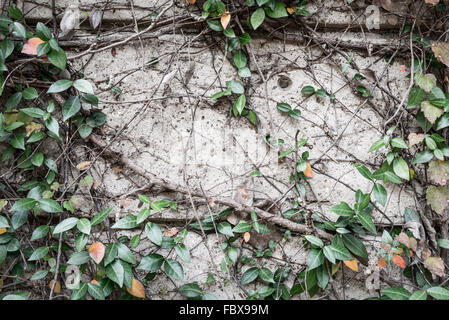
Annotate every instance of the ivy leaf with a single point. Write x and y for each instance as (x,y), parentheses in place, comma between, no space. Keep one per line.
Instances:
(315,259)
(71,107)
(58,58)
(225,228)
(240,59)
(84,86)
(367,221)
(96,291)
(380,194)
(355,245)
(39,253)
(257,18)
(24,204)
(65,225)
(343,209)
(438,293)
(437,198)
(100,216)
(250,275)
(79,258)
(49,205)
(173,269)
(154,233)
(191,290)
(115,272)
(151,262)
(128,222)
(419,295)
(59,86)
(401,169)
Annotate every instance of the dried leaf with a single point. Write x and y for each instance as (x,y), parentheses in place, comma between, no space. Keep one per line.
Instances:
(412,244)
(439,172)
(435,265)
(125,202)
(308,172)
(117,169)
(57,286)
(432,2)
(31,127)
(437,198)
(415,138)
(425,82)
(83,165)
(232,219)
(352,264)
(95,18)
(137,289)
(70,19)
(382,263)
(386,4)
(225,19)
(431,112)
(441,52)
(30,47)
(97,251)
(397,259)
(171,232)
(403,238)
(246,236)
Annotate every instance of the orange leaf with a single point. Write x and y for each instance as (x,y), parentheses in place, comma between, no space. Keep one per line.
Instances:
(2,230)
(30,47)
(137,289)
(57,286)
(292,10)
(96,251)
(225,19)
(381,263)
(352,264)
(246,236)
(94,281)
(190,1)
(397,259)
(308,172)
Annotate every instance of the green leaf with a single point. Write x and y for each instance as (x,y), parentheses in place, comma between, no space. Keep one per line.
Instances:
(143,215)
(57,57)
(83,225)
(225,228)
(257,18)
(401,169)
(315,259)
(377,145)
(364,171)
(244,72)
(18,219)
(173,269)
(343,209)
(100,216)
(423,157)
(19,30)
(396,293)
(37,159)
(128,222)
(43,32)
(399,143)
(308,90)
(65,225)
(425,82)
(191,290)
(242,227)
(59,86)
(151,262)
(419,295)
(416,97)
(314,240)
(84,86)
(443,243)
(24,204)
(431,112)
(111,253)
(115,272)
(329,254)
(240,59)
(33,112)
(380,194)
(39,253)
(355,245)
(438,293)
(80,293)
(154,233)
(15,13)
(340,252)
(239,104)
(215,25)
(71,107)
(38,275)
(367,221)
(284,107)
(266,275)
(96,291)
(49,205)
(250,275)
(182,252)
(79,258)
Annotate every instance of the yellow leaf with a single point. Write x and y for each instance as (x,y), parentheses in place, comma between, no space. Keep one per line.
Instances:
(31,127)
(2,230)
(57,286)
(225,18)
(335,267)
(352,264)
(83,165)
(3,203)
(137,289)
(96,251)
(292,10)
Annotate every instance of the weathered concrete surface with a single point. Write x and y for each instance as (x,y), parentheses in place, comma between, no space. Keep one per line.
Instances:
(190,138)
